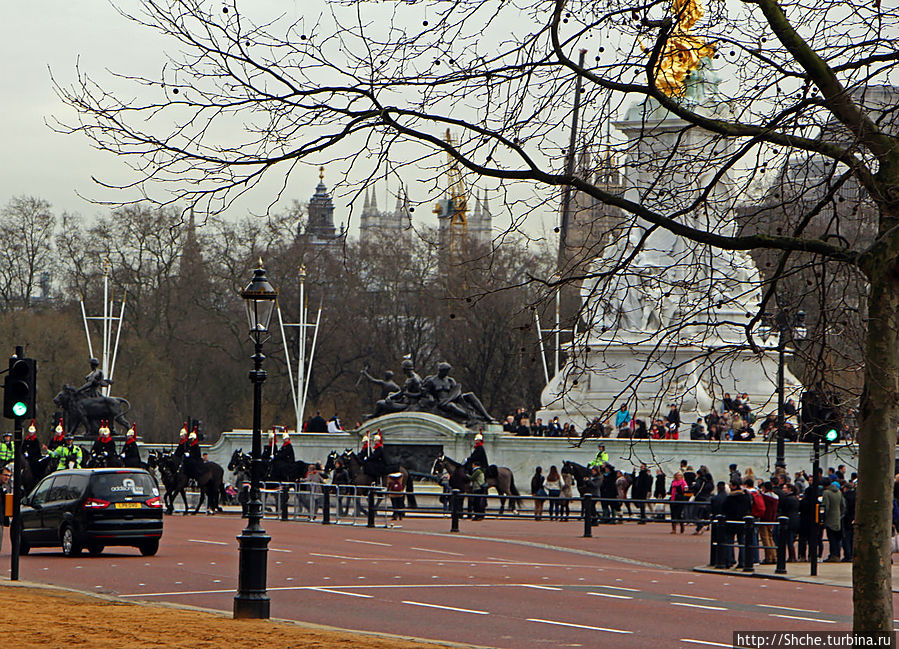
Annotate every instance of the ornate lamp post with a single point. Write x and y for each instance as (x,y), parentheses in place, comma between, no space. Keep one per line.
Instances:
(252,600)
(788,326)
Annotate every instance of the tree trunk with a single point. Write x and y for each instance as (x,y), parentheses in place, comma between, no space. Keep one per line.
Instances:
(871,572)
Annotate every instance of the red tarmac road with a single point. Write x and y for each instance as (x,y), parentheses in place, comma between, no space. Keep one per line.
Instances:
(498,583)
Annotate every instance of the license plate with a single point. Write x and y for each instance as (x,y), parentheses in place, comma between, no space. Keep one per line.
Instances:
(127,505)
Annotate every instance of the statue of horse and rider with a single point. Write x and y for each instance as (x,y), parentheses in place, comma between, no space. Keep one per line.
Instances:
(86,406)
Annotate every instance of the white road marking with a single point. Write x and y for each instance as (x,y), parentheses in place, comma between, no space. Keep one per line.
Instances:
(386,545)
(787,608)
(706,642)
(455,554)
(446,608)
(708,599)
(340,592)
(539,587)
(577,626)
(279,550)
(709,608)
(632,590)
(804,619)
(611,595)
(332,556)
(205,541)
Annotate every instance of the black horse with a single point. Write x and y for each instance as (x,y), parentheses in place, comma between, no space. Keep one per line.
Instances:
(102,460)
(580,473)
(210,482)
(240,465)
(356,468)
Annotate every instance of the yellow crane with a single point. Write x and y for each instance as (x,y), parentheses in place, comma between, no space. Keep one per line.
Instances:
(452,209)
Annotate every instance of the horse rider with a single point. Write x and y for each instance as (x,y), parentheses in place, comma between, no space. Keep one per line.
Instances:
(67,453)
(31,448)
(193,463)
(94,381)
(365,451)
(375,465)
(104,444)
(271,448)
(601,457)
(181,450)
(478,454)
(59,437)
(7,451)
(284,458)
(130,452)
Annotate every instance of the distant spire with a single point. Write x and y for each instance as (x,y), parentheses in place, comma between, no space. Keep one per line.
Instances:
(477,206)
(366,205)
(374,200)
(485,205)
(399,200)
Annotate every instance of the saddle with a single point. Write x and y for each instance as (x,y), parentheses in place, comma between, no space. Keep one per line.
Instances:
(492,472)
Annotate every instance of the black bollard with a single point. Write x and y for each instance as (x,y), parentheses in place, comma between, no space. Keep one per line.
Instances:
(455,507)
(723,549)
(713,542)
(587,510)
(748,529)
(326,505)
(783,525)
(283,496)
(371,507)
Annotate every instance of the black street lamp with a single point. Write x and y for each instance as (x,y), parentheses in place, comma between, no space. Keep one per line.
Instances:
(788,326)
(252,600)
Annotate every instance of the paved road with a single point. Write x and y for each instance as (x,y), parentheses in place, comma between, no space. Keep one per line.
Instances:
(540,586)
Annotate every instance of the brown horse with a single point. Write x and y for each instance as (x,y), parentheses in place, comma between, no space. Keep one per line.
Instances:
(498,477)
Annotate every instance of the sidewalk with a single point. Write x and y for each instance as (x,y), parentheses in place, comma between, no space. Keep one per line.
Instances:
(829,574)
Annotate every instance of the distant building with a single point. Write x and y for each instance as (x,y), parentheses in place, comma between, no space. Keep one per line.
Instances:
(374,221)
(320,230)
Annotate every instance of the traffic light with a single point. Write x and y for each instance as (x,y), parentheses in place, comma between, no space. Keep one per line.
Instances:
(19,389)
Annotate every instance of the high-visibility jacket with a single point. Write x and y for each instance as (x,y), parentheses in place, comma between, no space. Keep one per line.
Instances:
(66,453)
(7,452)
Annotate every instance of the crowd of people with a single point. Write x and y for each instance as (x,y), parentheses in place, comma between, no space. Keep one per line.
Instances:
(693,497)
(735,419)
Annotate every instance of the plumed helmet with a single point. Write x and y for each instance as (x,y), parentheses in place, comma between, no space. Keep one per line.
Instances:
(132,432)
(365,439)
(59,429)
(378,439)
(31,427)
(183,433)
(479,438)
(285,437)
(193,436)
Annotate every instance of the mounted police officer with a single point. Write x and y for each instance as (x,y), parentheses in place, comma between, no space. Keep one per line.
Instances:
(193,463)
(59,437)
(68,453)
(104,446)
(478,454)
(601,457)
(375,466)
(181,450)
(130,451)
(31,448)
(7,451)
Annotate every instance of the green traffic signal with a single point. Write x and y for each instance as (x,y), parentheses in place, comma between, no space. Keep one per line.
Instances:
(831,435)
(19,408)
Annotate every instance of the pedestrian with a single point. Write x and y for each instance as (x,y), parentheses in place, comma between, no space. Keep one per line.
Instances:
(640,490)
(848,520)
(788,506)
(608,493)
(703,487)
(834,508)
(553,487)
(678,497)
(768,518)
(538,491)
(565,503)
(736,507)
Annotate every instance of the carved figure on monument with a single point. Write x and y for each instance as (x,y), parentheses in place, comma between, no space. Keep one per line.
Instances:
(448,400)
(405,399)
(94,381)
(388,385)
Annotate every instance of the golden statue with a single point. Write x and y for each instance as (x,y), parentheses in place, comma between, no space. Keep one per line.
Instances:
(683,50)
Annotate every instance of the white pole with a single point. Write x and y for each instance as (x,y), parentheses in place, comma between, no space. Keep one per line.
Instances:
(105,360)
(293,393)
(87,332)
(115,351)
(542,349)
(558,326)
(318,319)
(301,356)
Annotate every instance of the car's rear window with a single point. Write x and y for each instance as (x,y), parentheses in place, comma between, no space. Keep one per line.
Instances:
(118,487)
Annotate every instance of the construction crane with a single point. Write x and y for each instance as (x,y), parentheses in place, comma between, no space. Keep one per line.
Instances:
(452,210)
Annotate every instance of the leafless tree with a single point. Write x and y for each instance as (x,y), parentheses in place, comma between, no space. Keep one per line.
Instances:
(501,75)
(26,228)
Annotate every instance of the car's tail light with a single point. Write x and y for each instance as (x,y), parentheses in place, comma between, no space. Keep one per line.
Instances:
(154,502)
(95,503)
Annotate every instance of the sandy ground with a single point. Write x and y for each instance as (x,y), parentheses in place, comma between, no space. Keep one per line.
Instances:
(41,618)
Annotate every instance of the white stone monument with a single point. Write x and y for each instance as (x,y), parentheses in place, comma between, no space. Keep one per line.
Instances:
(666,321)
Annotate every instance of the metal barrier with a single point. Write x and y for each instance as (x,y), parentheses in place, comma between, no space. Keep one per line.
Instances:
(727,535)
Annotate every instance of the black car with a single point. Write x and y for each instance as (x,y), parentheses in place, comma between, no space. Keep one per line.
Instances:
(93,508)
